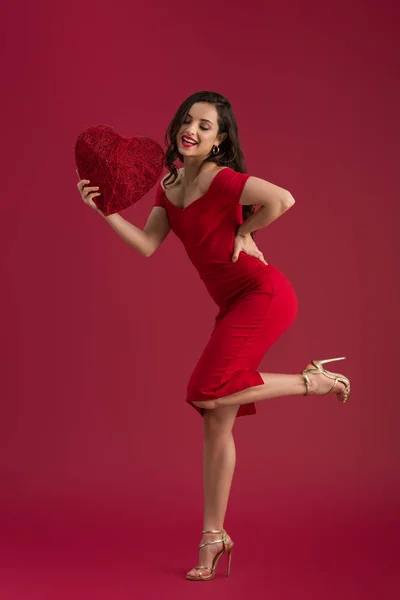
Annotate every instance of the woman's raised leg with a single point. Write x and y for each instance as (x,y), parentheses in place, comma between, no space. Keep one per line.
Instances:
(275,385)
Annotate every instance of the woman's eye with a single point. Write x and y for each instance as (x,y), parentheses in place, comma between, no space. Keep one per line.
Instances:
(203,128)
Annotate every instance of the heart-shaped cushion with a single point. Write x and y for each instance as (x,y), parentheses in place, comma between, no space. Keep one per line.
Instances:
(124,168)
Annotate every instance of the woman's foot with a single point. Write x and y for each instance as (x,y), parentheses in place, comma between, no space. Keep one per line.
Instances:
(321,384)
(207,553)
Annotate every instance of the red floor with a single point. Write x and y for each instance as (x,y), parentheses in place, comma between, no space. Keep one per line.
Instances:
(319,558)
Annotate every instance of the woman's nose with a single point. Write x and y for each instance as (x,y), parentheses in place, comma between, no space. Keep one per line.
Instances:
(191,132)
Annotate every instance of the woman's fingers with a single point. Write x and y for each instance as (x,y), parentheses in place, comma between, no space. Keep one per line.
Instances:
(82,183)
(89,199)
(88,193)
(260,256)
(84,189)
(240,246)
(87,190)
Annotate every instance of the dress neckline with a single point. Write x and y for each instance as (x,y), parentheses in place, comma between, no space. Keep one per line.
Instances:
(197,199)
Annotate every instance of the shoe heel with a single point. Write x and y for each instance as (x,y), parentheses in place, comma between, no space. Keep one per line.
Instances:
(317,363)
(229,562)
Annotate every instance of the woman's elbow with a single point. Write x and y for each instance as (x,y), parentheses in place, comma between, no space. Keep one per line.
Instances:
(288,199)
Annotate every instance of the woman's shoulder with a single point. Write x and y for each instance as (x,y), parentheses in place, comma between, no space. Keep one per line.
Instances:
(209,175)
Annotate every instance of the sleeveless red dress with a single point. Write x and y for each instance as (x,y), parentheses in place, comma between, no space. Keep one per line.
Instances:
(256,302)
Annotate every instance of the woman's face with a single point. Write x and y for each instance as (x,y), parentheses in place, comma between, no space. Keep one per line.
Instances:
(200,124)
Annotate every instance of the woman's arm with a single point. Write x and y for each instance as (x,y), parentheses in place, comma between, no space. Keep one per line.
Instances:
(273,201)
(147,240)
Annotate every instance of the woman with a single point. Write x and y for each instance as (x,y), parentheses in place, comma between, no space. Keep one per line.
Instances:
(210,205)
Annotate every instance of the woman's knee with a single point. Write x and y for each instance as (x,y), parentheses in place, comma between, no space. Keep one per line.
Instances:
(209,404)
(220,419)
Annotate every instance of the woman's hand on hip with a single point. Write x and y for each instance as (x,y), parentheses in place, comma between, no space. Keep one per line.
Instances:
(245,243)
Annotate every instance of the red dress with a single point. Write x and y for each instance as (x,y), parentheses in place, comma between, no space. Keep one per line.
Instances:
(256,302)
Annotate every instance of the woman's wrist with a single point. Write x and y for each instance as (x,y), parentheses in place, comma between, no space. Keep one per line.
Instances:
(108,217)
(239,232)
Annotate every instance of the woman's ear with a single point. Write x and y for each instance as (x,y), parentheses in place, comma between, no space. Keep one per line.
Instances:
(222,137)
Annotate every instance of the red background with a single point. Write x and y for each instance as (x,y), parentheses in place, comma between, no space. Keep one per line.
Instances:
(100,460)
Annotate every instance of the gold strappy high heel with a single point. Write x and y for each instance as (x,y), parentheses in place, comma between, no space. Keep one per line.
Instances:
(227,547)
(336,376)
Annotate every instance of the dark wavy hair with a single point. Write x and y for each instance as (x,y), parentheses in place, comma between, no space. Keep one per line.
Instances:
(230,153)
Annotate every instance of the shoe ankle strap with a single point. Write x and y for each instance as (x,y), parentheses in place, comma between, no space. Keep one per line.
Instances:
(213,531)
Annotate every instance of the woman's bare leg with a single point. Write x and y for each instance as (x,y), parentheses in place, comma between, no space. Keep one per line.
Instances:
(275,385)
(218,467)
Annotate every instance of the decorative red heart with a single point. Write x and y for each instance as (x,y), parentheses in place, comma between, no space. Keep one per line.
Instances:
(124,168)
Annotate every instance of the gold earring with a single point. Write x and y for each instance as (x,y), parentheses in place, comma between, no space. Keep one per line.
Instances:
(215,150)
